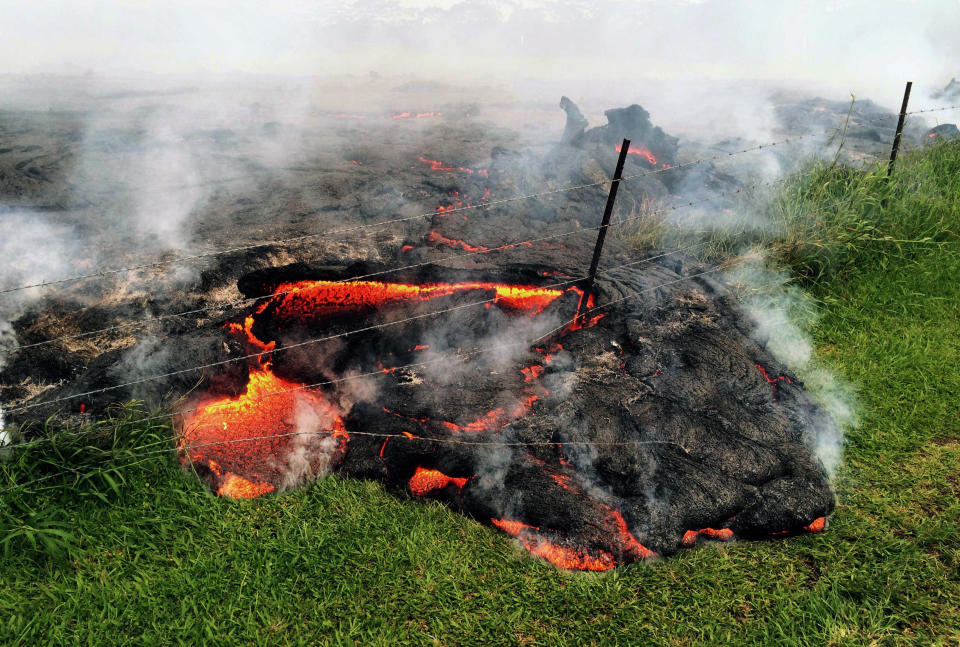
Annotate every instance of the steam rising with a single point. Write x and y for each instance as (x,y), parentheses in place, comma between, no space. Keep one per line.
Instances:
(313,448)
(784,315)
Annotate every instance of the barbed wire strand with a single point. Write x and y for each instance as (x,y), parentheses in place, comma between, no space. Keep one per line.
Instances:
(452,257)
(448,440)
(566,283)
(941,109)
(485,205)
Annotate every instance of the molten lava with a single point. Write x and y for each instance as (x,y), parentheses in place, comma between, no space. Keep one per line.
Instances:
(238,487)
(245,440)
(716,534)
(775,381)
(240,438)
(248,442)
(437,165)
(426,481)
(817,525)
(639,151)
(558,555)
(436,237)
(307,300)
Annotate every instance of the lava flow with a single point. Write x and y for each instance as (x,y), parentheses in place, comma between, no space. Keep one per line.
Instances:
(640,152)
(249,442)
(774,381)
(427,481)
(276,431)
(557,554)
(303,301)
(437,165)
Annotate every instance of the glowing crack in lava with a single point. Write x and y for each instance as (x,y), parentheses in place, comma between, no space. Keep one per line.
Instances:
(571,557)
(640,152)
(250,441)
(774,381)
(306,300)
(437,165)
(563,556)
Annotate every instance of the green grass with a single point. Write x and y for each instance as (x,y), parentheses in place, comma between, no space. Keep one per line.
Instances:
(156,559)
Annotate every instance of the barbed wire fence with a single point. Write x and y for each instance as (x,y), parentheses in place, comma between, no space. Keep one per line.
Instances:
(379,373)
(471,353)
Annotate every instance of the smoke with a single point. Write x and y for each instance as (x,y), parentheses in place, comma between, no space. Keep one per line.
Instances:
(356,387)
(314,449)
(784,316)
(35,248)
(504,339)
(5,436)
(493,463)
(149,357)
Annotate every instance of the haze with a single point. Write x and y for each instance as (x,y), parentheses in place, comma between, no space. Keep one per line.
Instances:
(869,47)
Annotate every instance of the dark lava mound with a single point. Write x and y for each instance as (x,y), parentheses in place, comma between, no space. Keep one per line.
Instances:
(596,441)
(652,420)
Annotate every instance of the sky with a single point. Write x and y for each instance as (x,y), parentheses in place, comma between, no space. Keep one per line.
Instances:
(858,45)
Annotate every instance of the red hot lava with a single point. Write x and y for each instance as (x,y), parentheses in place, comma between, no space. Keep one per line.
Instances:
(246,442)
(437,165)
(640,151)
(427,481)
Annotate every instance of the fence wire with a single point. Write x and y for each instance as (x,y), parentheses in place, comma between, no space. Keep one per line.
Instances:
(363,277)
(474,352)
(296,239)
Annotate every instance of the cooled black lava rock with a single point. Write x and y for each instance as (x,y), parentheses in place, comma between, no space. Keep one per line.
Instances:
(576,123)
(942,132)
(663,417)
(666,415)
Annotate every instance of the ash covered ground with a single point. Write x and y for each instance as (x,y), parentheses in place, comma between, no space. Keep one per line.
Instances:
(658,418)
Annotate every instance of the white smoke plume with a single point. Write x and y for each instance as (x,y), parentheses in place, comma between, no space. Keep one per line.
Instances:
(313,447)
(34,248)
(784,316)
(149,357)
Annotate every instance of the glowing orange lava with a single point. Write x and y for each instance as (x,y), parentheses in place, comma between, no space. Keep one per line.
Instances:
(817,525)
(640,151)
(239,437)
(561,556)
(532,372)
(437,237)
(425,481)
(437,165)
(564,481)
(238,487)
(249,440)
(312,299)
(246,330)
(629,542)
(717,534)
(774,381)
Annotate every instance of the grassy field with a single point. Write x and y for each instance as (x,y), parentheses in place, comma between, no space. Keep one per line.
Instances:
(143,554)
